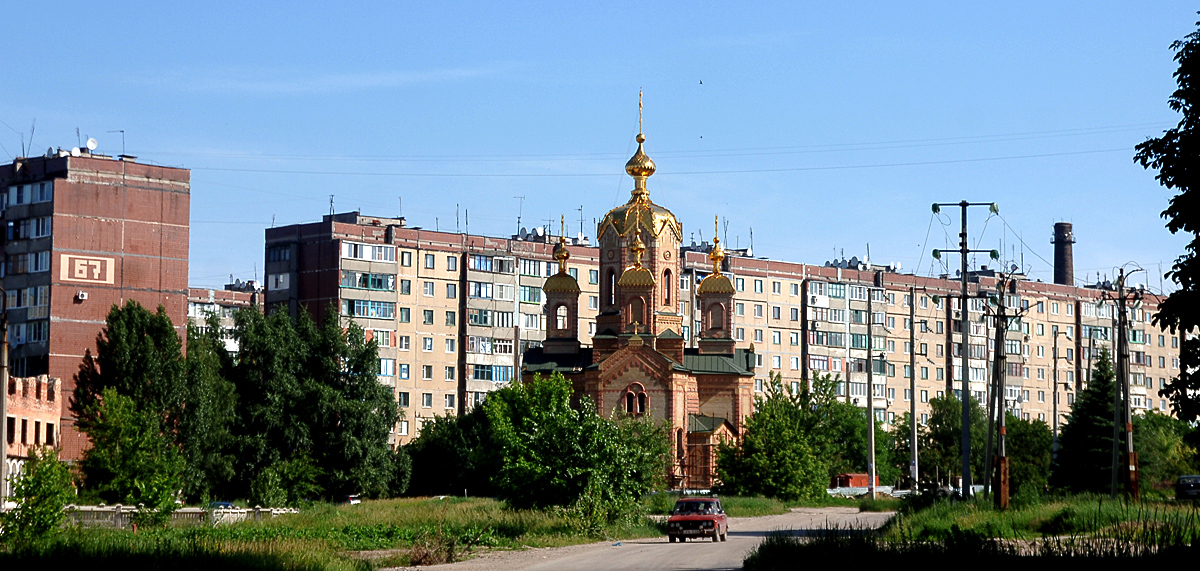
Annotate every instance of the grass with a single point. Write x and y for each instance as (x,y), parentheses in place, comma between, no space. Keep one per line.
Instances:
(327,537)
(741,506)
(1037,518)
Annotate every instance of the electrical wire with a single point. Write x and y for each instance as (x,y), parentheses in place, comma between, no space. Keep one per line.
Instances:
(683,173)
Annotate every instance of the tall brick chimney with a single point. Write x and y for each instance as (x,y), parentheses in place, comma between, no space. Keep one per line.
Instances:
(1064,259)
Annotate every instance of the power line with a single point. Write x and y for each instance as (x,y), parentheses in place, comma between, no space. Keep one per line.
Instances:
(682,173)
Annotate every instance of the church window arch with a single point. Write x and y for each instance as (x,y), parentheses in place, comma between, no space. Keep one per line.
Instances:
(636,400)
(716,316)
(561,317)
(610,283)
(637,311)
(668,283)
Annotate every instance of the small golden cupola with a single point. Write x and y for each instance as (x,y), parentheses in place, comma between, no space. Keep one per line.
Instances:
(716,283)
(561,282)
(636,275)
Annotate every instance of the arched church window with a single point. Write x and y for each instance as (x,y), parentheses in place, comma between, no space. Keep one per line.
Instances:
(611,283)
(636,399)
(560,318)
(637,311)
(668,283)
(716,317)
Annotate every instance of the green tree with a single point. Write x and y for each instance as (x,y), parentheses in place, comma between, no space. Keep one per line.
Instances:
(454,454)
(1084,462)
(552,454)
(354,411)
(310,407)
(138,354)
(777,455)
(941,451)
(1029,446)
(40,493)
(1163,454)
(206,423)
(131,460)
(1175,155)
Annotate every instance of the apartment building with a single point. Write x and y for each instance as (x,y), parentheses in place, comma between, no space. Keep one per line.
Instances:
(222,304)
(452,313)
(85,232)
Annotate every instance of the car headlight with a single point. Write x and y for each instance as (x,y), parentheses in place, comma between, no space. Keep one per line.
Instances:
(707,524)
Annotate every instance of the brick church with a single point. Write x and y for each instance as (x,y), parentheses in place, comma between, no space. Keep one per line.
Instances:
(638,362)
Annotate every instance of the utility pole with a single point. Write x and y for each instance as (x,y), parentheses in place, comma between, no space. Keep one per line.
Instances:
(870,396)
(964,250)
(1054,379)
(1131,480)
(912,385)
(999,362)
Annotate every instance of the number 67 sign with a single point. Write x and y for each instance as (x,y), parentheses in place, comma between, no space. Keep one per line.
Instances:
(90,269)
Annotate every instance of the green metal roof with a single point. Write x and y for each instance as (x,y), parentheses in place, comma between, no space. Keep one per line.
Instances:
(739,363)
(704,424)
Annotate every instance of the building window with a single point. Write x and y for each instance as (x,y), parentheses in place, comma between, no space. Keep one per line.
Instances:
(450,376)
(593,277)
(740,334)
(406,287)
(428,287)
(427,372)
(924,396)
(427,343)
(758,286)
(451,291)
(739,284)
(450,344)
(429,261)
(402,370)
(451,263)
(426,400)
(387,367)
(402,399)
(427,317)
(406,259)
(451,318)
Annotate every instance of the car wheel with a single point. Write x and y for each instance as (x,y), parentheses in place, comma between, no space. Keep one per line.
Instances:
(725,535)
(716,537)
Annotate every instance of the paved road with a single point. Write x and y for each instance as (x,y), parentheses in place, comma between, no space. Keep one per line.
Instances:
(658,555)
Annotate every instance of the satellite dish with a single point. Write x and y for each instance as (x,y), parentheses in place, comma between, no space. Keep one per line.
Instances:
(75,152)
(92,144)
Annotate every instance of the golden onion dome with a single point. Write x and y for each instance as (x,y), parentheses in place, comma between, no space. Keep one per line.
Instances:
(716,283)
(639,164)
(636,277)
(562,282)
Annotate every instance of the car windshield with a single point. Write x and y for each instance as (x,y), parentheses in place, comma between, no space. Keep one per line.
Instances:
(1189,480)
(682,508)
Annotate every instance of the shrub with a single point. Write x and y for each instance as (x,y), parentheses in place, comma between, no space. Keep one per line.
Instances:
(40,493)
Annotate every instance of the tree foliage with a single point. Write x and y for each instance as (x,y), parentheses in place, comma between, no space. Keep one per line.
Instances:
(1163,451)
(794,443)
(205,435)
(1084,462)
(41,492)
(1175,155)
(941,451)
(454,455)
(1029,445)
(131,460)
(552,454)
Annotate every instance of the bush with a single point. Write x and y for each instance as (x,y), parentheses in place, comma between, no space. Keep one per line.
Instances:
(40,493)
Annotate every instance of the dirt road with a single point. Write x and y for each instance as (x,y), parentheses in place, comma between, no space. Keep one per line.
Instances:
(656,554)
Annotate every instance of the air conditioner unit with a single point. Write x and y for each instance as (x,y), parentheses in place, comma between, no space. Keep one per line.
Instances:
(957,315)
(812,299)
(81,296)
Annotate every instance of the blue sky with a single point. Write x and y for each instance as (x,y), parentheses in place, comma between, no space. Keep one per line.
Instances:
(821,127)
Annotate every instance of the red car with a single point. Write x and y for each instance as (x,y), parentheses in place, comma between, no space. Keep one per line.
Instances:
(698,517)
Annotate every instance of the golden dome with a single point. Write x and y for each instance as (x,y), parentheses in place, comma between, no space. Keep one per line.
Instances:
(716,283)
(561,283)
(639,164)
(636,277)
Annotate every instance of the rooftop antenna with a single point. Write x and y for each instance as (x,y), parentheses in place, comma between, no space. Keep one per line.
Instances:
(32,130)
(726,233)
(78,139)
(520,210)
(436,226)
(330,204)
(580,209)
(456,228)
(122,132)
(272,220)
(868,260)
(401,199)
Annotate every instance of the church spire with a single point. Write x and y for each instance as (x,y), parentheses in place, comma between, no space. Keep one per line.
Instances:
(640,167)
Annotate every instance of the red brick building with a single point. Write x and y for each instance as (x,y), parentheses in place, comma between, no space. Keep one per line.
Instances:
(85,232)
